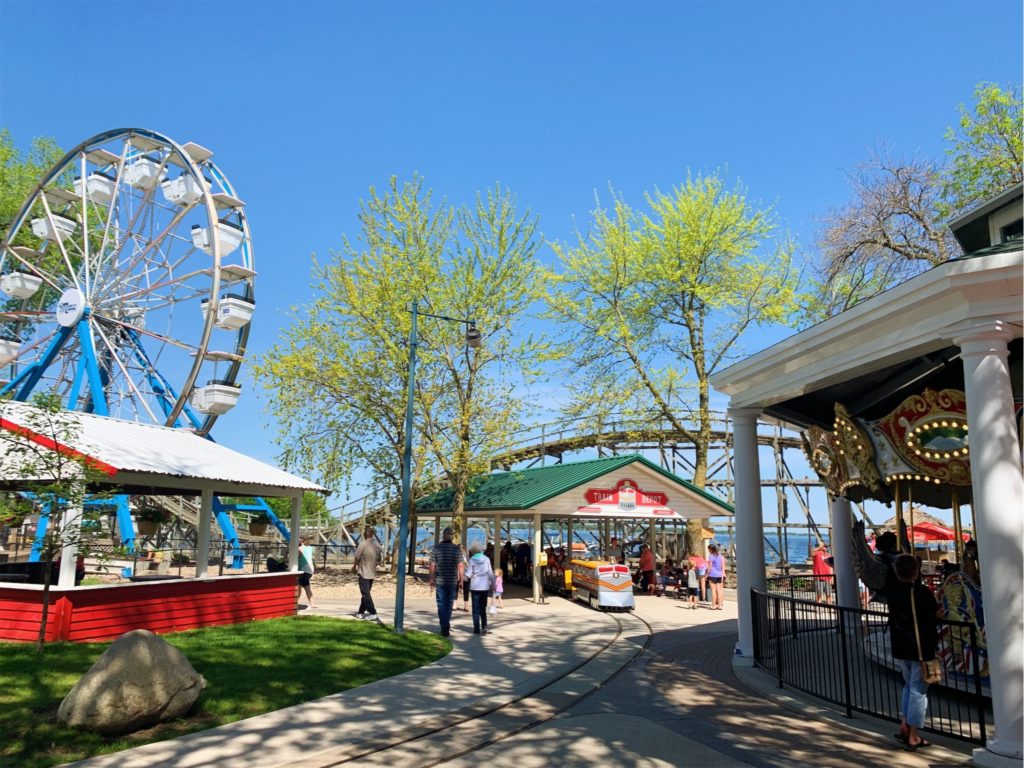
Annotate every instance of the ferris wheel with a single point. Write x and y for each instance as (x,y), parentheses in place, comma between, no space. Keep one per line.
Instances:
(126,284)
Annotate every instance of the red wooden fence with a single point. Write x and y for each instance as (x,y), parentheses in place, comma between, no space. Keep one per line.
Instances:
(99,613)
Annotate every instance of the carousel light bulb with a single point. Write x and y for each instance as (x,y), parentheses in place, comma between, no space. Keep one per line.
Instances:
(945,423)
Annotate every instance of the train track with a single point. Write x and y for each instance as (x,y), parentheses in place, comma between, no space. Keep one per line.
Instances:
(488,723)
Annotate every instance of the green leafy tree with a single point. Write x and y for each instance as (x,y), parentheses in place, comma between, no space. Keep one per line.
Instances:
(313,511)
(338,378)
(19,174)
(57,477)
(986,156)
(653,304)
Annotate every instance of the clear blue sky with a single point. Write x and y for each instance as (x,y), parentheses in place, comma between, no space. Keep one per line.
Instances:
(307,104)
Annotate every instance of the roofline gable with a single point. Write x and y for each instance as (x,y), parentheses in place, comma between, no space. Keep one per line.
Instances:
(600,468)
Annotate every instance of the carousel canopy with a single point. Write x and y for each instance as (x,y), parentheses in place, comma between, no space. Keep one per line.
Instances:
(878,389)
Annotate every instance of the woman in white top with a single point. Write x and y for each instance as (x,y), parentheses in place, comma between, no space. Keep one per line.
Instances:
(480,577)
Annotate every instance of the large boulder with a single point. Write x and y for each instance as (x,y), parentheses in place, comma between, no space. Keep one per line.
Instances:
(139,681)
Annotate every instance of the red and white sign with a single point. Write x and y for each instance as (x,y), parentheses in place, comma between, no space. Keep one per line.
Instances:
(626,499)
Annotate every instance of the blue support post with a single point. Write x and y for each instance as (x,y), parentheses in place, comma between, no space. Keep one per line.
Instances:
(41,527)
(29,377)
(124,521)
(222,511)
(92,368)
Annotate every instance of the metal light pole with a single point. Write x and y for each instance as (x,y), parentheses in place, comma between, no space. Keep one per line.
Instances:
(403,520)
(472,340)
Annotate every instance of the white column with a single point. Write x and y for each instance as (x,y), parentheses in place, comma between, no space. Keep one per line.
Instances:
(847,591)
(749,524)
(69,529)
(203,533)
(536,558)
(293,530)
(998,506)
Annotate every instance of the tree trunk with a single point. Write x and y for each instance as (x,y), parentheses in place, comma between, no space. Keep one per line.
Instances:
(459,511)
(695,528)
(47,574)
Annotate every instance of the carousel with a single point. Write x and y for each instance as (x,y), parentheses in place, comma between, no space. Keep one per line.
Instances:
(912,398)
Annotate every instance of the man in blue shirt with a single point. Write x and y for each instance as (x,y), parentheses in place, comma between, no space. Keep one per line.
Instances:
(446,568)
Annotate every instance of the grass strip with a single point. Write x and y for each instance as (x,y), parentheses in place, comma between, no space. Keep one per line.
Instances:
(249,668)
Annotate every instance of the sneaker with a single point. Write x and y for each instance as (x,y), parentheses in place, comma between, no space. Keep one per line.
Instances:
(358,615)
(445,632)
(369,617)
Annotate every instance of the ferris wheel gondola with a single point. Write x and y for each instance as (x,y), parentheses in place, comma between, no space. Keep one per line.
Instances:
(127,280)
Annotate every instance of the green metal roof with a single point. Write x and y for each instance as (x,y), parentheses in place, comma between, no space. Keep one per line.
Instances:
(1008,247)
(526,488)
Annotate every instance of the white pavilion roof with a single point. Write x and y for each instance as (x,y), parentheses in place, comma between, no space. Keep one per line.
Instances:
(144,458)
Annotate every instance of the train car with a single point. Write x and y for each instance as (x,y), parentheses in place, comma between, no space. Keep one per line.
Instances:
(602,585)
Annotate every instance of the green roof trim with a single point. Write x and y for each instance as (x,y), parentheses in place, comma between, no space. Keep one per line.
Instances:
(1010,246)
(526,488)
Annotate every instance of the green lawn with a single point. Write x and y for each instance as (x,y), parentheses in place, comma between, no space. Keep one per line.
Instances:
(249,669)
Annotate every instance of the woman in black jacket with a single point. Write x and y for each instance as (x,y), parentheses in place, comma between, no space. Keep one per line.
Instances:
(901,587)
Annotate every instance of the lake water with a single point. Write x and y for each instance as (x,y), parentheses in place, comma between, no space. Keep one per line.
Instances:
(798,543)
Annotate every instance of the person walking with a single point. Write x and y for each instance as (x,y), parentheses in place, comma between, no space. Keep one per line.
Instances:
(305,571)
(480,578)
(499,587)
(716,577)
(445,577)
(367,557)
(822,574)
(647,568)
(692,585)
(913,636)
(465,580)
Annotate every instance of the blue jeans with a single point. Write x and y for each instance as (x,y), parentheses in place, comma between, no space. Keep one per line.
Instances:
(445,595)
(915,693)
(480,608)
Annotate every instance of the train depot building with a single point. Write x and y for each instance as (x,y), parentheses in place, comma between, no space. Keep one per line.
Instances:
(608,496)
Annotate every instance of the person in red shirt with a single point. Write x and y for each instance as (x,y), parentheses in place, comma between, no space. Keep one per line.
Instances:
(647,568)
(822,574)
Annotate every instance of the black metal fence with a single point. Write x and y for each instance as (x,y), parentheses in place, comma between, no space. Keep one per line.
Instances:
(802,586)
(842,655)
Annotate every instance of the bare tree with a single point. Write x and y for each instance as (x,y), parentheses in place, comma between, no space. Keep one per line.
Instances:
(890,231)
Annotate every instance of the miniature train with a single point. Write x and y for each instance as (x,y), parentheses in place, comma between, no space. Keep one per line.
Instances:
(602,585)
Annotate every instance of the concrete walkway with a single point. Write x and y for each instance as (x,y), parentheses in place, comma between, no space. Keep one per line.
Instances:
(677,702)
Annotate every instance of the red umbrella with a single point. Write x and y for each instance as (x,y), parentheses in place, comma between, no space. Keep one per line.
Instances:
(928,531)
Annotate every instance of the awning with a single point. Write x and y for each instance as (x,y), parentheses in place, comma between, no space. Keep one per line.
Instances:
(140,458)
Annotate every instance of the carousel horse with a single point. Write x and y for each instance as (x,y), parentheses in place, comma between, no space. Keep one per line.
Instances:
(962,601)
